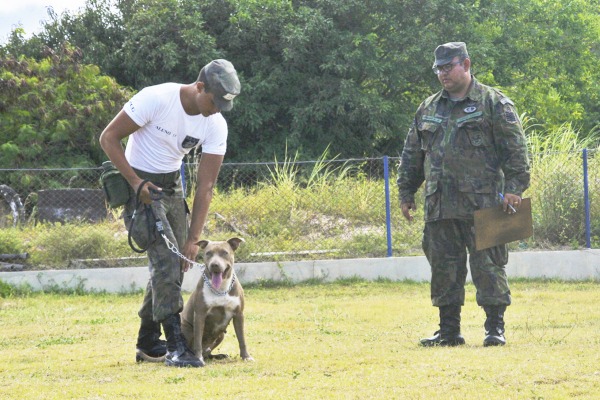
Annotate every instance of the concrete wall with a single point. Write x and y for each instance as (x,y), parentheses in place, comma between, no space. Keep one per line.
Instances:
(565,265)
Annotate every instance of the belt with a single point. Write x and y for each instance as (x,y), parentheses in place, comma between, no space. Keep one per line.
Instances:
(168,180)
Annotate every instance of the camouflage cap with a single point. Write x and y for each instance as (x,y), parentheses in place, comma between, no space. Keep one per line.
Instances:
(445,53)
(220,79)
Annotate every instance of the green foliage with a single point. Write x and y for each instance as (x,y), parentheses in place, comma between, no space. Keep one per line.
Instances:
(545,55)
(347,74)
(330,207)
(12,291)
(558,211)
(10,242)
(55,245)
(53,110)
(169,36)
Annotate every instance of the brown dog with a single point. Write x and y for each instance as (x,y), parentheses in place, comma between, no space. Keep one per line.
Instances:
(217,299)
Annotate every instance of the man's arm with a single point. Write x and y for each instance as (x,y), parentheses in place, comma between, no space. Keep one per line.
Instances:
(410,172)
(208,171)
(110,141)
(512,146)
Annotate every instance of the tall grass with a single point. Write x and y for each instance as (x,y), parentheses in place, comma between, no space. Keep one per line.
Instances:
(557,190)
(51,245)
(328,208)
(332,209)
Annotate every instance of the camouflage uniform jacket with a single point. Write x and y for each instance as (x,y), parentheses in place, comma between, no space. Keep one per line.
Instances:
(466,151)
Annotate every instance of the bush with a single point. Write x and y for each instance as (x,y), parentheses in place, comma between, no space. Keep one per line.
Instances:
(55,245)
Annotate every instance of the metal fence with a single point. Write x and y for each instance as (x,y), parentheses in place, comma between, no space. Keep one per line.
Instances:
(296,210)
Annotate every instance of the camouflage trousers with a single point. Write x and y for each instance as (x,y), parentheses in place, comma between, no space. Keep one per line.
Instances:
(445,244)
(163,292)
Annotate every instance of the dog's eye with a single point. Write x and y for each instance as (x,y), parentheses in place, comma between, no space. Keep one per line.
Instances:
(209,253)
(223,253)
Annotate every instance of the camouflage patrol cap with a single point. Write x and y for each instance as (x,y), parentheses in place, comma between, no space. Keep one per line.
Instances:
(445,53)
(220,79)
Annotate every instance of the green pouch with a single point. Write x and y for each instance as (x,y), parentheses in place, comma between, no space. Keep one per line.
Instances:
(116,188)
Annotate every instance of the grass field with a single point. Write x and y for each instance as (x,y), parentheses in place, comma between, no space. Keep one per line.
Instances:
(347,340)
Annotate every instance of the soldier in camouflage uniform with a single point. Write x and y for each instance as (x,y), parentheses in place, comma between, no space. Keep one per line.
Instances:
(467,144)
(162,124)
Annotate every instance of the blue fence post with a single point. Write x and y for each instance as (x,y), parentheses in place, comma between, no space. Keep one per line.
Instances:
(388,211)
(586,200)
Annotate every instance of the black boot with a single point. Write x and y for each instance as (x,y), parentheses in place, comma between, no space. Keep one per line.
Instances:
(449,333)
(149,344)
(494,326)
(178,354)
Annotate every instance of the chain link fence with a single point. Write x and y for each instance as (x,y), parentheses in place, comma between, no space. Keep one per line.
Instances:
(291,210)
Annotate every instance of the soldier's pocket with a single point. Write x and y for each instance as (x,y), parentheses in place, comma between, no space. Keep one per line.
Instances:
(476,132)
(428,131)
(479,194)
(142,228)
(432,200)
(499,254)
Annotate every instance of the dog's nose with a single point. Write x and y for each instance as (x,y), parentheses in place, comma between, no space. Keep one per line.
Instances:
(217,267)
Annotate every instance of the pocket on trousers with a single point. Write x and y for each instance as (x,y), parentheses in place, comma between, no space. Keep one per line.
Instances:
(499,255)
(143,229)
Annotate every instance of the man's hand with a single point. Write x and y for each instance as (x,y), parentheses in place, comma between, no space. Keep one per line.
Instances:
(511,200)
(406,207)
(190,251)
(148,193)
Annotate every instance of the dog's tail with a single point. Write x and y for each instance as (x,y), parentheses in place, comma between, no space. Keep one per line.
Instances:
(140,356)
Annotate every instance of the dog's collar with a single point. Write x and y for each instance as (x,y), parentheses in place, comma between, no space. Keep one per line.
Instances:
(216,291)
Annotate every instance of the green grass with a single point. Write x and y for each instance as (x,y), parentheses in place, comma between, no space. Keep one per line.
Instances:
(348,340)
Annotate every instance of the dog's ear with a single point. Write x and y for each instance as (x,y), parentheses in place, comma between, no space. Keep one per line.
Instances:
(235,242)
(202,244)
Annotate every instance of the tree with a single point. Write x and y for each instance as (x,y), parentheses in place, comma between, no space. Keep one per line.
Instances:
(347,74)
(545,55)
(166,41)
(52,111)
(343,74)
(97,30)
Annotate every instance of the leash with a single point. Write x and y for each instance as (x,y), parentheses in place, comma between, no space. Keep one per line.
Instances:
(150,215)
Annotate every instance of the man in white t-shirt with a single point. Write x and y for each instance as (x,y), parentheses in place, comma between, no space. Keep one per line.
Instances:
(163,123)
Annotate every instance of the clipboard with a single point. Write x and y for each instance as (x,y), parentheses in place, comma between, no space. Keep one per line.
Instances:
(494,227)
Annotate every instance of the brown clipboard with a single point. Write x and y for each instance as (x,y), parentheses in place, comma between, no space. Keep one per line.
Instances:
(494,227)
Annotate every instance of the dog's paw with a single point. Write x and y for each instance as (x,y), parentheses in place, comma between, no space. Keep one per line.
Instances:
(140,356)
(218,356)
(247,358)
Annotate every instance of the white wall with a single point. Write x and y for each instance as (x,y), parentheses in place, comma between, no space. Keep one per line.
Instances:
(565,265)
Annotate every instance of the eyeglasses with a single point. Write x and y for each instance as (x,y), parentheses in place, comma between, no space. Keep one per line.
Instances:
(438,69)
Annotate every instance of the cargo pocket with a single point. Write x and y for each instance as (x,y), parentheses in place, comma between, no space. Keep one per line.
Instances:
(498,254)
(477,194)
(142,227)
(432,200)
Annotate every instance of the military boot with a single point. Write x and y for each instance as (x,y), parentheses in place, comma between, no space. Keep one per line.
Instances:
(178,353)
(494,326)
(449,332)
(149,344)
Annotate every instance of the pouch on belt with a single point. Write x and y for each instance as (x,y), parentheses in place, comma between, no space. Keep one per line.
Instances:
(116,189)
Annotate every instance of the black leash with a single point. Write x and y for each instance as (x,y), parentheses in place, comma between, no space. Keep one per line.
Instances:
(150,216)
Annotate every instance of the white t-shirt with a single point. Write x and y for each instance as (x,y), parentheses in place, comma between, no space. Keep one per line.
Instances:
(167,133)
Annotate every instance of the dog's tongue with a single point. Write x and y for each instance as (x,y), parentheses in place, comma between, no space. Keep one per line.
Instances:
(216,280)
